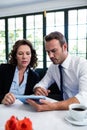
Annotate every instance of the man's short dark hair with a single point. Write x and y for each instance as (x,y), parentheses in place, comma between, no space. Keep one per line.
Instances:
(55,35)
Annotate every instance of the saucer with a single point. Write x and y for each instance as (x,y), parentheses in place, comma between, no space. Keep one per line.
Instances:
(74,122)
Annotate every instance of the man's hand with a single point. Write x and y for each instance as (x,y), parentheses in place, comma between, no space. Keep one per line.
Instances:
(41,91)
(44,106)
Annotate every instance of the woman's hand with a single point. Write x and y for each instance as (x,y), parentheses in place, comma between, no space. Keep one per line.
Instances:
(8,99)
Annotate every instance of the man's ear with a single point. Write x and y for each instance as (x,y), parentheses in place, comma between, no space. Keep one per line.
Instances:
(64,47)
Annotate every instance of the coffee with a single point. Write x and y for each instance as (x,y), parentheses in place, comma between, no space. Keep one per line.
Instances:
(78,109)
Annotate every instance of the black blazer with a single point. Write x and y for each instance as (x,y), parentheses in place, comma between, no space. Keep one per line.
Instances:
(6,78)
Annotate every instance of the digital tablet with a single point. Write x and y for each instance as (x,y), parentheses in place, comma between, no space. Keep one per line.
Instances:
(23,98)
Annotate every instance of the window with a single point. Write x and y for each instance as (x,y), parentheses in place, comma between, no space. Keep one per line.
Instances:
(2,41)
(34,33)
(15,31)
(71,22)
(77,32)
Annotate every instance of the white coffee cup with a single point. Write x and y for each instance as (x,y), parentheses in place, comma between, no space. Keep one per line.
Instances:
(78,111)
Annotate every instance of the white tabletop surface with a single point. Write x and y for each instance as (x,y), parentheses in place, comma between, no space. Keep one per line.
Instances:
(49,120)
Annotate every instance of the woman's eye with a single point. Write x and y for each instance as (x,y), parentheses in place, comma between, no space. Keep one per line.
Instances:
(28,53)
(20,53)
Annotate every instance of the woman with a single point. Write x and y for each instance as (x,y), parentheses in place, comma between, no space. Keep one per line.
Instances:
(17,77)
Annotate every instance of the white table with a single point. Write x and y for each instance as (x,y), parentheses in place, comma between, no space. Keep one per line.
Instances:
(49,120)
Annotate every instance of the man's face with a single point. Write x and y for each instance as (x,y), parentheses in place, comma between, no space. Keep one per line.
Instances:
(56,53)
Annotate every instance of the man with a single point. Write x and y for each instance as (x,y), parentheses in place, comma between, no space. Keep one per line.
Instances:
(74,70)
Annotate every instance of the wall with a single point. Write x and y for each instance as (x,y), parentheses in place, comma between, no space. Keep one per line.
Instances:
(53,4)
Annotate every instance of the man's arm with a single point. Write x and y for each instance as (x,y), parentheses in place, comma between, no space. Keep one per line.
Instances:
(50,106)
(64,105)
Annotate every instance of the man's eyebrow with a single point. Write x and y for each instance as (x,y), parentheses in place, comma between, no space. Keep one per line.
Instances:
(51,50)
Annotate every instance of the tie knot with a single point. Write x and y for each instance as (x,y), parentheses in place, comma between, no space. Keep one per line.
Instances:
(60,66)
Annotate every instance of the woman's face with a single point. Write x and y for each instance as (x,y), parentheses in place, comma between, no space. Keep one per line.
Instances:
(23,56)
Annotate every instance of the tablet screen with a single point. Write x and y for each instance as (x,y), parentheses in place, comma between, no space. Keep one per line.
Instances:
(23,98)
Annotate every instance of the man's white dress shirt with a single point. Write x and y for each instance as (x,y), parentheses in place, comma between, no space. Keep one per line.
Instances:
(74,78)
